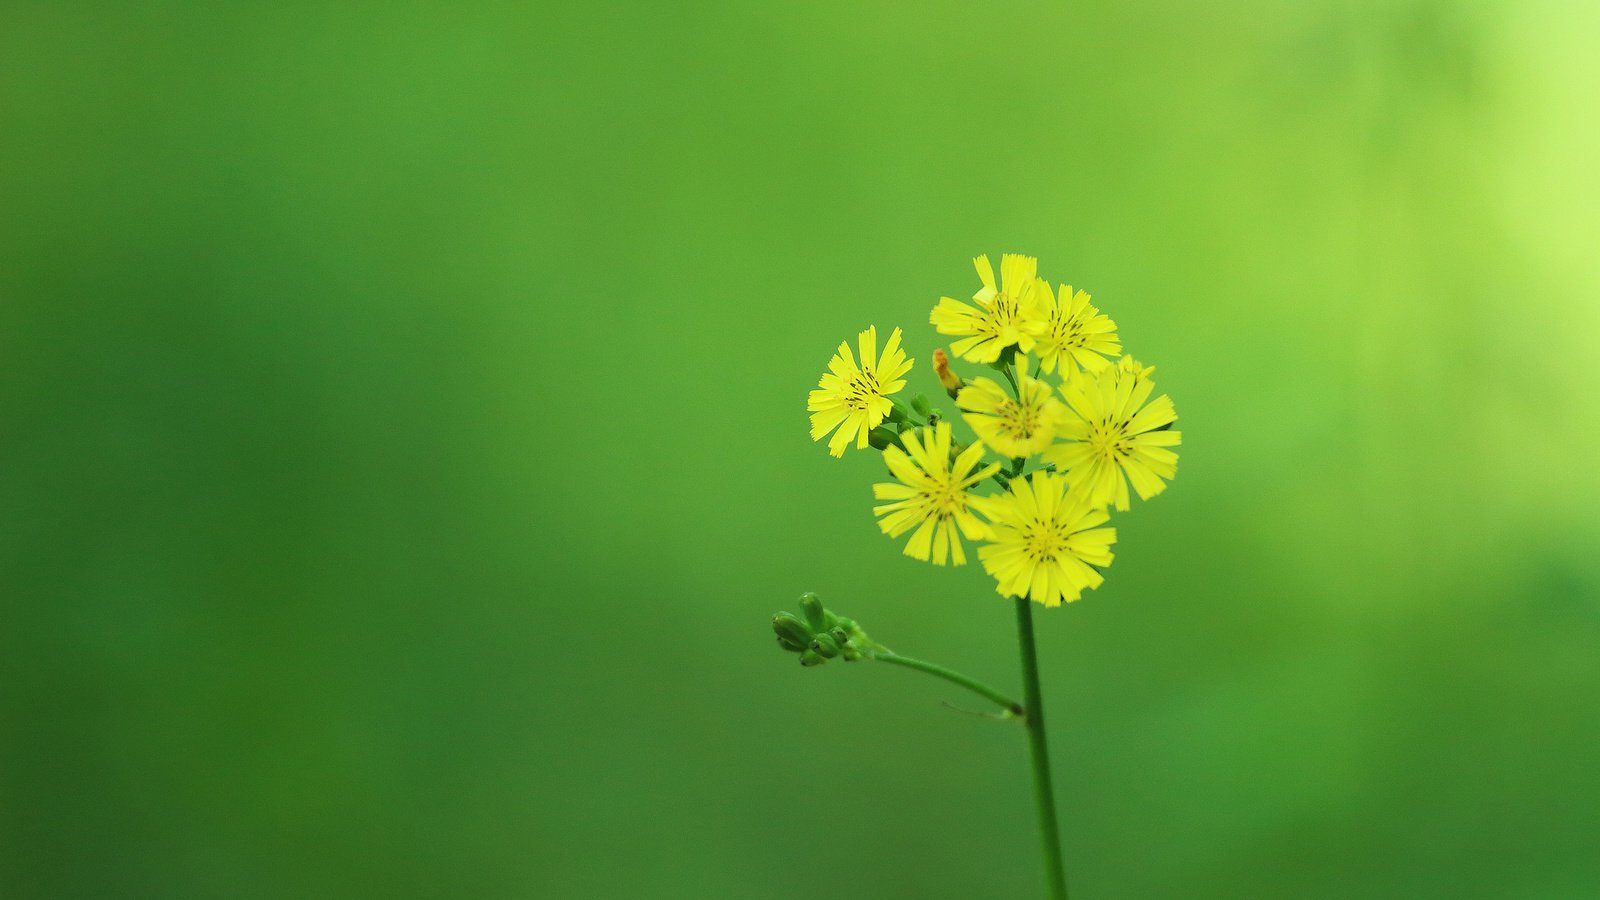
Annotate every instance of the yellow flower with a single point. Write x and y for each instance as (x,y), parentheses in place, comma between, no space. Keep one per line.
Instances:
(1001,318)
(1070,330)
(1012,428)
(855,399)
(1107,435)
(932,495)
(1046,542)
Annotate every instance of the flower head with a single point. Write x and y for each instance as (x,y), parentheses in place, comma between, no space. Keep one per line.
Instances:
(855,398)
(1046,540)
(1001,317)
(1069,330)
(1015,428)
(931,495)
(1110,433)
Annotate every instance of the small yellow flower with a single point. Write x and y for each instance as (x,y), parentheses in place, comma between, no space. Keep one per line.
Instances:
(1070,330)
(932,495)
(855,399)
(1001,318)
(1011,427)
(1107,435)
(1046,542)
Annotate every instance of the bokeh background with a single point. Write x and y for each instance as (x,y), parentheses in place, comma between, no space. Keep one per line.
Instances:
(402,447)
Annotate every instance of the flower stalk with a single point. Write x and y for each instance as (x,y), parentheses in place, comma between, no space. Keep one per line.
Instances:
(1055,874)
(1012,708)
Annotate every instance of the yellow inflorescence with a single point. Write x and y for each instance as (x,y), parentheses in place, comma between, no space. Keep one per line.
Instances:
(855,398)
(1111,433)
(1046,540)
(1072,334)
(1020,425)
(1066,461)
(932,494)
(1006,314)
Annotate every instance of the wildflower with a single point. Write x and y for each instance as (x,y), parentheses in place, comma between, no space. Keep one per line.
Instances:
(855,399)
(1015,428)
(1107,435)
(1070,330)
(1001,317)
(931,495)
(1046,541)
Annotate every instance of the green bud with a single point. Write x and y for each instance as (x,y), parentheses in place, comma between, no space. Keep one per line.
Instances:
(791,630)
(790,646)
(839,635)
(825,645)
(811,658)
(882,438)
(920,404)
(897,410)
(816,616)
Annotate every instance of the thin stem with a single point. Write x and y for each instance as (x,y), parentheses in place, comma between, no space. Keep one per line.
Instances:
(988,693)
(1006,370)
(1043,793)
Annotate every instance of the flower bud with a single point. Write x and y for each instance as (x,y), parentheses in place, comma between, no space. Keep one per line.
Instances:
(816,616)
(881,438)
(825,645)
(948,378)
(920,402)
(811,658)
(791,630)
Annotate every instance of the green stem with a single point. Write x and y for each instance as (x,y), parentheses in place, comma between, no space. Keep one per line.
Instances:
(1043,793)
(1006,371)
(1011,706)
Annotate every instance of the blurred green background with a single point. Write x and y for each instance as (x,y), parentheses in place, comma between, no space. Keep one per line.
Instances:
(403,447)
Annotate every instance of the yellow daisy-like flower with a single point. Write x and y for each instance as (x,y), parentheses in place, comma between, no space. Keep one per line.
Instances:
(1107,435)
(855,398)
(1069,330)
(1003,312)
(932,495)
(1046,540)
(1011,427)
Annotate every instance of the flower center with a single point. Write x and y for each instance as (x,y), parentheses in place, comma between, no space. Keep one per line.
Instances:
(1043,542)
(941,501)
(862,389)
(1004,312)
(1066,333)
(1018,420)
(1108,438)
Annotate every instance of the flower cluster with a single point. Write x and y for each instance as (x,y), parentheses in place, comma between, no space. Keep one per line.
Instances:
(1071,421)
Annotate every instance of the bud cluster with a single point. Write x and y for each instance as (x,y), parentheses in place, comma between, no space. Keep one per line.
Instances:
(819,635)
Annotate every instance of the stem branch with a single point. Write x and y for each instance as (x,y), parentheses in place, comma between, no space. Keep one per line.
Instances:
(988,693)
